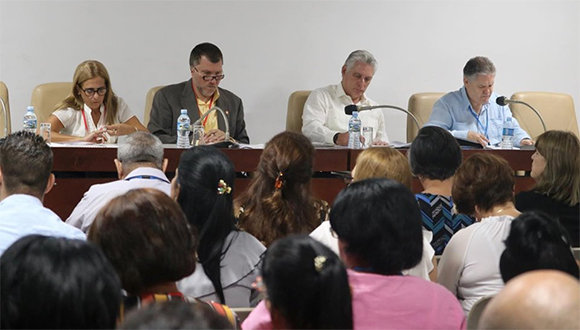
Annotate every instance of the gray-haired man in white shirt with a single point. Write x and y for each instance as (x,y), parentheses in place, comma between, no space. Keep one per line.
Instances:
(324,119)
(139,163)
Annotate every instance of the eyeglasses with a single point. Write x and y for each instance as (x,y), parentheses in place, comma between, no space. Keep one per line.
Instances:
(91,91)
(210,78)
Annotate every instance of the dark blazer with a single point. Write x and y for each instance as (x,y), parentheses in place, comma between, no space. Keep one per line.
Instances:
(169,101)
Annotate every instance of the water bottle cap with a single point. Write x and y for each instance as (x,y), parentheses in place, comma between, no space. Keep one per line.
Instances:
(355,113)
(30,108)
(184,111)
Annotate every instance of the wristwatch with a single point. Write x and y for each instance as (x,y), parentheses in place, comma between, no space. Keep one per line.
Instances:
(335,137)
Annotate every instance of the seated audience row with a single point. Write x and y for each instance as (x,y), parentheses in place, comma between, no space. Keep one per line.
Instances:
(378,225)
(390,164)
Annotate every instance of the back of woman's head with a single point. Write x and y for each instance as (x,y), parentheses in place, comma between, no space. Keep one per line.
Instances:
(147,239)
(483,180)
(383,163)
(57,283)
(205,179)
(279,201)
(434,154)
(560,178)
(536,242)
(307,285)
(380,223)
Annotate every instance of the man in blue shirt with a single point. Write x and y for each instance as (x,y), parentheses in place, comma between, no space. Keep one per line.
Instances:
(471,112)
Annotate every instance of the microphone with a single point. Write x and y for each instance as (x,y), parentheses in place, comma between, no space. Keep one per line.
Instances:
(503,101)
(227,141)
(353,107)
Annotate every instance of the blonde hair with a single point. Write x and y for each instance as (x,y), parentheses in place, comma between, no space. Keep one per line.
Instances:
(383,163)
(561,177)
(88,70)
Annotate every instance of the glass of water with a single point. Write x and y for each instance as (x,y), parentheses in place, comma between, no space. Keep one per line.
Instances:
(198,133)
(44,131)
(367,133)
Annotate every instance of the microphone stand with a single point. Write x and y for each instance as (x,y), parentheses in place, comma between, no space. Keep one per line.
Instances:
(534,110)
(5,114)
(348,109)
(227,143)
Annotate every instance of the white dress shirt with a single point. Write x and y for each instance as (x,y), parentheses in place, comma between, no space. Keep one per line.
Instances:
(22,215)
(74,123)
(98,195)
(422,269)
(324,115)
(469,266)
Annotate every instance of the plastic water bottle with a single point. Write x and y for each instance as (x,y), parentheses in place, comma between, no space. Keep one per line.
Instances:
(507,138)
(354,126)
(183,129)
(30,121)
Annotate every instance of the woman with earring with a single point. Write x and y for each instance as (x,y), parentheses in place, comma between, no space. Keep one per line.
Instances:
(469,266)
(92,112)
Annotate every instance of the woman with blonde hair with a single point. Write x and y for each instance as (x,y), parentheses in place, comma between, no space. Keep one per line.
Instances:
(556,170)
(390,164)
(92,112)
(279,201)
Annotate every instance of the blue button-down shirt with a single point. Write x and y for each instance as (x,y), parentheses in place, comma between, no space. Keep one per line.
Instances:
(453,112)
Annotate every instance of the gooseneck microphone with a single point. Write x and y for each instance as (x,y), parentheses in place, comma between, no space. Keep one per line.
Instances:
(353,107)
(503,101)
(227,141)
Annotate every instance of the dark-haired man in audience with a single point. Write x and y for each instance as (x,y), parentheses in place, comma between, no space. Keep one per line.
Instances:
(471,112)
(25,177)
(198,95)
(139,163)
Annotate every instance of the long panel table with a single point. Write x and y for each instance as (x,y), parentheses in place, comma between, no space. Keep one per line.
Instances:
(77,168)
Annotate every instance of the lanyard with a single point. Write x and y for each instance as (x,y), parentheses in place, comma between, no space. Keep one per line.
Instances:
(479,124)
(85,118)
(148,177)
(196,102)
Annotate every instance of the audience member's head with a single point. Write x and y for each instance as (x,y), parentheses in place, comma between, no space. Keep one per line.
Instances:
(203,187)
(540,299)
(279,201)
(378,226)
(482,182)
(57,283)
(382,163)
(434,154)
(556,166)
(139,149)
(25,165)
(535,242)
(175,314)
(307,285)
(147,239)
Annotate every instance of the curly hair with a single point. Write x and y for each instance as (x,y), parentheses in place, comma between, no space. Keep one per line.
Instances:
(279,201)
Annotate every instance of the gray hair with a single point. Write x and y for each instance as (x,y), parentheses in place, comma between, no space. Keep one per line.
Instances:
(478,65)
(361,56)
(140,147)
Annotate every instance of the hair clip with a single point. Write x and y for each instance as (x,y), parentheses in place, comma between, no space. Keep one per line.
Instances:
(319,263)
(223,187)
(279,180)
